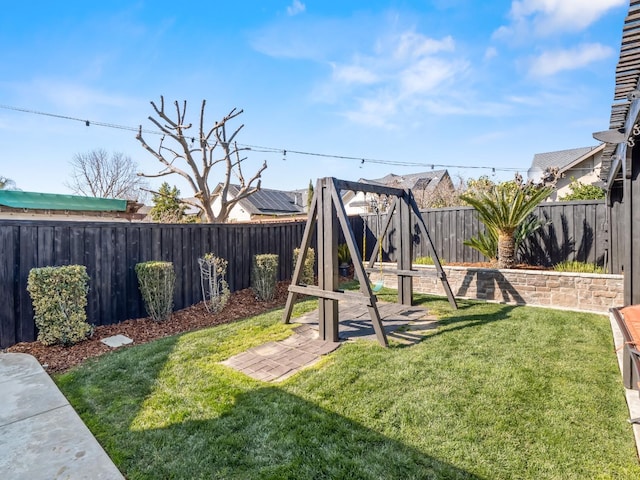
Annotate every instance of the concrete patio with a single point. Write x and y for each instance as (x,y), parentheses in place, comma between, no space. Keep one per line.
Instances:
(41,435)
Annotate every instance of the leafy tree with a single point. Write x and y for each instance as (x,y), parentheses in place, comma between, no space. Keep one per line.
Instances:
(502,209)
(309,194)
(7,183)
(480,185)
(167,206)
(98,174)
(202,151)
(581,191)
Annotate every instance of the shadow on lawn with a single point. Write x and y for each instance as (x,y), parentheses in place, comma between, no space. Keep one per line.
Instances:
(466,315)
(244,431)
(461,321)
(269,433)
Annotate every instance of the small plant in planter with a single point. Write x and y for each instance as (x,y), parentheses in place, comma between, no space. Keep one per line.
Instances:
(578,267)
(427,260)
(344,259)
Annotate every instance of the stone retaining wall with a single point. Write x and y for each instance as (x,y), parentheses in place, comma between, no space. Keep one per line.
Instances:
(574,291)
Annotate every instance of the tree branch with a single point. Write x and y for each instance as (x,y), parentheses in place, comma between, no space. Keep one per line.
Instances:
(197,174)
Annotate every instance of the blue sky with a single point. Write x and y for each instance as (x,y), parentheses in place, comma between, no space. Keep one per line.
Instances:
(442,82)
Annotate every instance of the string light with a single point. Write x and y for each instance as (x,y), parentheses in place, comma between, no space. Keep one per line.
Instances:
(263,149)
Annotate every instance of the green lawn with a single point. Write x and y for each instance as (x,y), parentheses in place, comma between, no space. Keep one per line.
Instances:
(497,392)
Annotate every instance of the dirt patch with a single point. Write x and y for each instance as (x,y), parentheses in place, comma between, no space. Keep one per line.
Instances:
(241,304)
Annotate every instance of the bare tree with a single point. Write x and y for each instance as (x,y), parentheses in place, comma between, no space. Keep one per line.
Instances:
(96,174)
(202,151)
(445,194)
(7,183)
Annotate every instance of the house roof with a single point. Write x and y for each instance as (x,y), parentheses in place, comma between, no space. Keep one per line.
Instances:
(269,202)
(627,77)
(563,159)
(422,181)
(413,181)
(52,201)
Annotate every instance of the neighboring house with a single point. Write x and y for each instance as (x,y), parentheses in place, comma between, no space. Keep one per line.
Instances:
(19,205)
(581,164)
(423,185)
(263,205)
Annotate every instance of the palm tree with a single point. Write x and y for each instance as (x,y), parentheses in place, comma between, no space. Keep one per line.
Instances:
(502,209)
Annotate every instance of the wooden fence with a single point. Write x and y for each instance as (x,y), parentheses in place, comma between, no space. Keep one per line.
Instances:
(571,231)
(110,251)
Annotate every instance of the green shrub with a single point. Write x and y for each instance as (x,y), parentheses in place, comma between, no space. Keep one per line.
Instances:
(344,256)
(264,275)
(428,260)
(308,275)
(215,289)
(485,243)
(59,296)
(578,267)
(157,281)
(582,191)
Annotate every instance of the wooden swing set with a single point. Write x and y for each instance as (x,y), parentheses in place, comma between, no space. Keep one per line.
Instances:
(326,215)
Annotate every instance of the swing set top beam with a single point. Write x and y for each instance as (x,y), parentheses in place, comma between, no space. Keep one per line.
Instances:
(367,188)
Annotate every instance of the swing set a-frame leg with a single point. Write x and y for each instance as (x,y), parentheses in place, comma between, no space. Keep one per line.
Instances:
(434,255)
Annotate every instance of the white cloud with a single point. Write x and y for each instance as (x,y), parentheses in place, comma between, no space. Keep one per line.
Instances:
(303,38)
(295,8)
(461,105)
(397,78)
(379,75)
(531,101)
(428,74)
(490,53)
(376,112)
(353,74)
(489,137)
(544,17)
(414,45)
(70,97)
(552,62)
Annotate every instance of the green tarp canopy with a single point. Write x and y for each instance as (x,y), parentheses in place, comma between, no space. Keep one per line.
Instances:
(52,201)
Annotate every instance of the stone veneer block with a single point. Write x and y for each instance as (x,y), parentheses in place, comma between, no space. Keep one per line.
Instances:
(565,290)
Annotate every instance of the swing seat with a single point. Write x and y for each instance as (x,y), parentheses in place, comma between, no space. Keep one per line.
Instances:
(377,286)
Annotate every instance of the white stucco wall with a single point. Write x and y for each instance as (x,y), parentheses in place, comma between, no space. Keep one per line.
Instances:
(586,172)
(237,213)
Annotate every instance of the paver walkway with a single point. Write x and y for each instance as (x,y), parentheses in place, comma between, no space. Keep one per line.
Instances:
(275,361)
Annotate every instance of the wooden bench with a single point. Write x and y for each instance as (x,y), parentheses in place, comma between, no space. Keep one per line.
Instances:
(628,319)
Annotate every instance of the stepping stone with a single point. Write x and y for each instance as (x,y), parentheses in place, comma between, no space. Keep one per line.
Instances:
(116,341)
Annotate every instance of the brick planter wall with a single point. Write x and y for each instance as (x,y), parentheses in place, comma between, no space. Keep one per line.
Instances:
(574,291)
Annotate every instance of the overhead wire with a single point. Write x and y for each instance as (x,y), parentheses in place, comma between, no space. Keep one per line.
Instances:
(264,149)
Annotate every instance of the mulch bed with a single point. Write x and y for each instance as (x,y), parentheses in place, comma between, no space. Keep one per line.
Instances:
(242,304)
